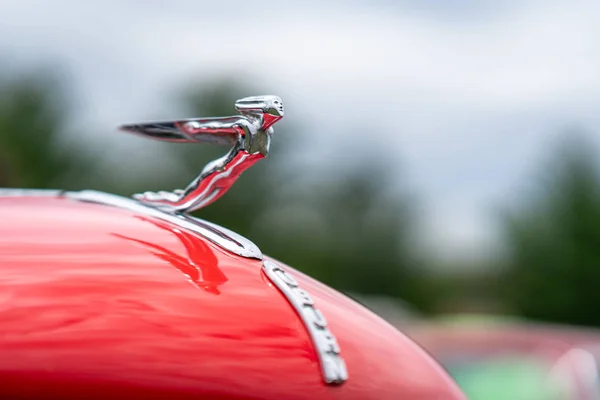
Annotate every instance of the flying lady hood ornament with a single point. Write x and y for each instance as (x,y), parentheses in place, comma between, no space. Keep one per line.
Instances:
(248,134)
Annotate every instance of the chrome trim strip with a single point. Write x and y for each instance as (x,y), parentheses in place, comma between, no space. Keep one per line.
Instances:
(218,235)
(327,348)
(10,192)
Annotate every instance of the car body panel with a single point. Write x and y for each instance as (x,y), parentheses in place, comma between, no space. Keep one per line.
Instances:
(101,302)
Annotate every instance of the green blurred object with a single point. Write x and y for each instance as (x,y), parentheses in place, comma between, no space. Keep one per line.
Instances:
(504,377)
(465,320)
(554,241)
(34,152)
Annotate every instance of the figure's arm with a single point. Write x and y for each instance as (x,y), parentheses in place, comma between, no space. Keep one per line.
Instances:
(224,131)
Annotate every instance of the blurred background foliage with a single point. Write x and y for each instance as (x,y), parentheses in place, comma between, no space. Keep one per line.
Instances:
(554,240)
(349,230)
(33,149)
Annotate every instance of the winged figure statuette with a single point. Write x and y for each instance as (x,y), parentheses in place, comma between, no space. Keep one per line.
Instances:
(248,134)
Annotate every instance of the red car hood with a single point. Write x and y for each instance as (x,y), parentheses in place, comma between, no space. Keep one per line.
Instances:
(102,302)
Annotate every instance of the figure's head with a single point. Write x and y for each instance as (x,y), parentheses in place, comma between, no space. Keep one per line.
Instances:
(268,104)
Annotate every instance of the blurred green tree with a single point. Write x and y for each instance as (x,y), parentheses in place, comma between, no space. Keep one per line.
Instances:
(554,241)
(350,233)
(33,149)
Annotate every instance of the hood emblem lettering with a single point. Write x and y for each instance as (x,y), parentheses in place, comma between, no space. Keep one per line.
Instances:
(248,134)
(333,366)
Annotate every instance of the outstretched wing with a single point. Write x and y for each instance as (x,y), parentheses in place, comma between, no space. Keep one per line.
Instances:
(222,131)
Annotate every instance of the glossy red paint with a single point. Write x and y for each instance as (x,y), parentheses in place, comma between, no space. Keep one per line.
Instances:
(100,302)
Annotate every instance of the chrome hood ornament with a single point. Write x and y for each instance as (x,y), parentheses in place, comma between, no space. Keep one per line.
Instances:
(248,134)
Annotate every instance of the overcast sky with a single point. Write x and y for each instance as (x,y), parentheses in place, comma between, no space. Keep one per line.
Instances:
(467,97)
